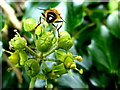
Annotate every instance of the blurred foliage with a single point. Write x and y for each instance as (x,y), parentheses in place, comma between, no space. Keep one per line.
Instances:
(96,32)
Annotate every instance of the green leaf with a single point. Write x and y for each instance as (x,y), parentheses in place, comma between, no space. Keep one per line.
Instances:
(74,16)
(101,80)
(8,76)
(74,81)
(32,10)
(113,24)
(83,37)
(105,50)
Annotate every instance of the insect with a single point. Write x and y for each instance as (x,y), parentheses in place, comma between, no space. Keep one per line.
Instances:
(51,16)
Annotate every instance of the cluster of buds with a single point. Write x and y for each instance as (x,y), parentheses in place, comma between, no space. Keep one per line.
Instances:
(45,43)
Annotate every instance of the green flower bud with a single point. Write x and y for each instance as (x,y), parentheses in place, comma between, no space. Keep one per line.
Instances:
(43,43)
(52,75)
(41,76)
(14,58)
(23,57)
(29,24)
(49,85)
(64,33)
(45,69)
(39,30)
(51,36)
(68,61)
(18,42)
(61,55)
(65,41)
(59,69)
(32,67)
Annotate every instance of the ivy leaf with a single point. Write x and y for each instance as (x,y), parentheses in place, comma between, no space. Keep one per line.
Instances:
(71,81)
(113,24)
(104,50)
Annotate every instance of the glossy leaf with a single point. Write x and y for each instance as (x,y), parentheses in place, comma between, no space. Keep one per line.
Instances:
(113,24)
(104,50)
(74,16)
(71,81)
(99,80)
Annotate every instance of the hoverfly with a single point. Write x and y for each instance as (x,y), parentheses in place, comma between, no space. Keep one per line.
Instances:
(51,16)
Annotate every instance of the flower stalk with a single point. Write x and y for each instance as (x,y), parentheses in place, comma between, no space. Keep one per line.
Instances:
(32,83)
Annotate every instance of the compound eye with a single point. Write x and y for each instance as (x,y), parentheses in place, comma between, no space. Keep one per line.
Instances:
(51,17)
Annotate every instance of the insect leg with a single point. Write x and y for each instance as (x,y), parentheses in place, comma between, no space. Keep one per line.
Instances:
(38,23)
(43,14)
(59,26)
(55,27)
(40,20)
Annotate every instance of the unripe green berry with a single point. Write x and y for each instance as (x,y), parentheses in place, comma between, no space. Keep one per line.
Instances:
(32,67)
(51,36)
(64,33)
(53,75)
(49,86)
(39,30)
(14,58)
(65,41)
(29,24)
(18,42)
(43,43)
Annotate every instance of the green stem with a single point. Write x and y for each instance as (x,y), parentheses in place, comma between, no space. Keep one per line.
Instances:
(31,51)
(53,60)
(7,51)
(32,83)
(52,50)
(90,25)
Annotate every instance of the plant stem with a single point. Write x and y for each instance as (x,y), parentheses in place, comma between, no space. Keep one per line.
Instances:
(32,83)
(52,50)
(7,51)
(31,51)
(53,60)
(89,25)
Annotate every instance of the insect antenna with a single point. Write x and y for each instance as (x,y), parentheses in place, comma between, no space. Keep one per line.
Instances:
(62,19)
(42,9)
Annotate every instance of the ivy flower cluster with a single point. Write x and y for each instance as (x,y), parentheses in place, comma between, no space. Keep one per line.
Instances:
(45,43)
